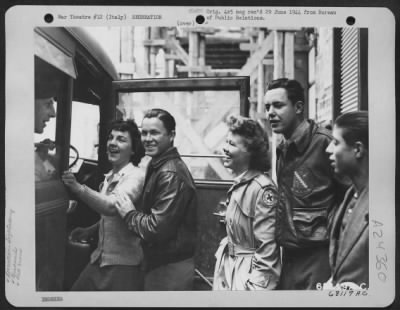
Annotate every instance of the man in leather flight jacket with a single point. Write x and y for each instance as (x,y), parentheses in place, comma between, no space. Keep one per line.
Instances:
(166,217)
(307,185)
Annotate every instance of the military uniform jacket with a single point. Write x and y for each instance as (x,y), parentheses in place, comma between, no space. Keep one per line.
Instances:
(309,187)
(348,252)
(249,257)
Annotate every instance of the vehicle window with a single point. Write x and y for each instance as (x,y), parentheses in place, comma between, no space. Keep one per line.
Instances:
(201,128)
(85,120)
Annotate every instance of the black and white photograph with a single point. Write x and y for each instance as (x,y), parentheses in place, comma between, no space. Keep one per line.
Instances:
(215,154)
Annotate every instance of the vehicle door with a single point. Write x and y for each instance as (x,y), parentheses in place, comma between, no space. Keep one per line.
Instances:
(54,72)
(73,138)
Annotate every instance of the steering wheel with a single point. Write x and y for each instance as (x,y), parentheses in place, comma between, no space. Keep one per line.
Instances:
(73,148)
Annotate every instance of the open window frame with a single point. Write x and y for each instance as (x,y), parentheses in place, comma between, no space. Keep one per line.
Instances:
(237,83)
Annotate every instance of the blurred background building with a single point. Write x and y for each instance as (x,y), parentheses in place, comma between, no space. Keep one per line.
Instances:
(330,63)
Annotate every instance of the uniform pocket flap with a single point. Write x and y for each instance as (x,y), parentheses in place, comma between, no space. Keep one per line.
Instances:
(311,222)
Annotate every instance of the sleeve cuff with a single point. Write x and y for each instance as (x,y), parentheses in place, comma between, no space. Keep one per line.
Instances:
(128,216)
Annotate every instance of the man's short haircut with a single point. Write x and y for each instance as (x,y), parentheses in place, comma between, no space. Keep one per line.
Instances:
(255,140)
(130,126)
(294,90)
(164,116)
(354,126)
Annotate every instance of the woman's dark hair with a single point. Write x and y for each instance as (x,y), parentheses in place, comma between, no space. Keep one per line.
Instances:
(255,140)
(130,126)
(354,126)
(164,116)
(294,90)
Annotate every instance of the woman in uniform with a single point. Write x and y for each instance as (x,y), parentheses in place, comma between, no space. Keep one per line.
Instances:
(248,258)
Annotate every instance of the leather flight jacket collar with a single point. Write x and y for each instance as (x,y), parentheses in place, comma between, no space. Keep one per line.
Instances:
(169,154)
(302,139)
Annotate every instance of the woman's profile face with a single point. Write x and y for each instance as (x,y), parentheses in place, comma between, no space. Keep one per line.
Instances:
(237,157)
(119,148)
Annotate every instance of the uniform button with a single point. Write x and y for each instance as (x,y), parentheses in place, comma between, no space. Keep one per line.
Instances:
(223,284)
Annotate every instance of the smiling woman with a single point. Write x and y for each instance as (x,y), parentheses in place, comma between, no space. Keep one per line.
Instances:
(118,248)
(119,149)
(248,258)
(236,154)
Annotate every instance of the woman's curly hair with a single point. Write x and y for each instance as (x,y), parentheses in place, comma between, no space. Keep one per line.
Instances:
(255,140)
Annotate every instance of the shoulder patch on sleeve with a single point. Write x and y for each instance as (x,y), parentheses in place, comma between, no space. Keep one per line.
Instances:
(270,197)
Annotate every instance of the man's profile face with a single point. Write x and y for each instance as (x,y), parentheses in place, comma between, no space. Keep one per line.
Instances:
(281,112)
(342,156)
(155,137)
(44,111)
